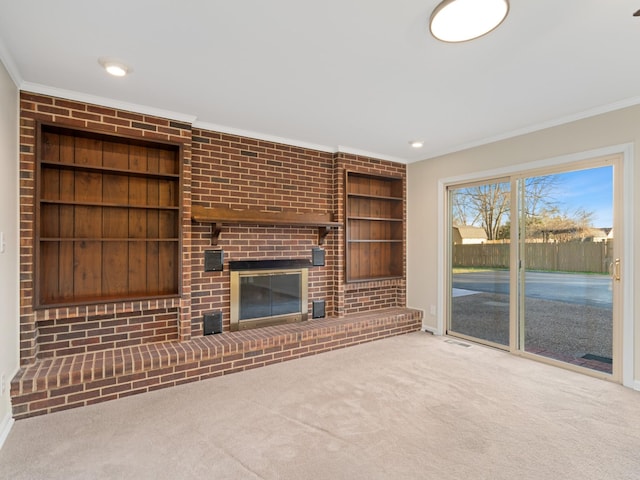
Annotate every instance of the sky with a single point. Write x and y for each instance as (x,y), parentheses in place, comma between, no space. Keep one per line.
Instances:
(591,190)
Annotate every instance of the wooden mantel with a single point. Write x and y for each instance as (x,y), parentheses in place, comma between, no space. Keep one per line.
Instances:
(217,216)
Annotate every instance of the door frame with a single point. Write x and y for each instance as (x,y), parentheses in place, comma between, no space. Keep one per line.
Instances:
(624,200)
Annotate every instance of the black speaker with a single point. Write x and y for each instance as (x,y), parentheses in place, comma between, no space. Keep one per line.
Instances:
(212,323)
(213,260)
(317,309)
(317,257)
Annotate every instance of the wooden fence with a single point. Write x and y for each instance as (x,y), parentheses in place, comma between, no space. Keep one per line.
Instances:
(593,257)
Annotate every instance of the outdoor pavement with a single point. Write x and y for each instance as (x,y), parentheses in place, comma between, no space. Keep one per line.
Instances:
(577,288)
(567,316)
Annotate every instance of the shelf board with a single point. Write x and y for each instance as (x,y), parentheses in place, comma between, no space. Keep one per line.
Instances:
(73,203)
(109,170)
(374,241)
(376,219)
(102,239)
(217,216)
(374,197)
(373,279)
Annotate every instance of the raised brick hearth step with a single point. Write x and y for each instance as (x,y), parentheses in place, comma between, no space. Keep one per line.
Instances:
(54,384)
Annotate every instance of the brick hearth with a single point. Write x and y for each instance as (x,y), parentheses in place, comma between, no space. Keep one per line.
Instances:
(65,382)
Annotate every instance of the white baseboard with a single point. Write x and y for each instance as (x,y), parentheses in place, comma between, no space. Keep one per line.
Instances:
(433,330)
(5,427)
(635,385)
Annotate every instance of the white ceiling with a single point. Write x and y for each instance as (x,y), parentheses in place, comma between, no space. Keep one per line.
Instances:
(360,76)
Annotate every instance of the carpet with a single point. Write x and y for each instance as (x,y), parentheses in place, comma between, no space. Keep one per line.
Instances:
(409,407)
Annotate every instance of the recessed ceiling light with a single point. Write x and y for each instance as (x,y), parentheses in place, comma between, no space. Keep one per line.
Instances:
(416,143)
(115,68)
(462,20)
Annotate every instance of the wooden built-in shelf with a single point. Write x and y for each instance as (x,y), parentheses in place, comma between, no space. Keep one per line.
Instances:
(107,217)
(374,214)
(217,216)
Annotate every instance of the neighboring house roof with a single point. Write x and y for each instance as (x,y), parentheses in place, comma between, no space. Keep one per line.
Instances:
(469,232)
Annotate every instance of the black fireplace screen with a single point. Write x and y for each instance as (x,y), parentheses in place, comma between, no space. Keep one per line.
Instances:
(270,295)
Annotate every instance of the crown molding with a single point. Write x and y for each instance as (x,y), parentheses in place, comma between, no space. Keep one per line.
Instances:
(364,153)
(106,102)
(592,112)
(190,119)
(214,127)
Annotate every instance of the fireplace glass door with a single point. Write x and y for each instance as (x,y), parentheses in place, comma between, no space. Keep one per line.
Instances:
(269,295)
(261,298)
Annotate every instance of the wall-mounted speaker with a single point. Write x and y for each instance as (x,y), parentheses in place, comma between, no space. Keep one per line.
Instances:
(317,257)
(212,323)
(317,309)
(213,260)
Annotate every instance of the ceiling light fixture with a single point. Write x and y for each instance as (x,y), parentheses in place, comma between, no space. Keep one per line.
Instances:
(117,69)
(416,143)
(462,20)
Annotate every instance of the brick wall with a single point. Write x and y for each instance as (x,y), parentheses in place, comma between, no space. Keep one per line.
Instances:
(55,331)
(241,173)
(92,331)
(218,169)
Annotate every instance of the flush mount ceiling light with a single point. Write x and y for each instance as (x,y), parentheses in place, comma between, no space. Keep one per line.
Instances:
(416,143)
(115,68)
(462,20)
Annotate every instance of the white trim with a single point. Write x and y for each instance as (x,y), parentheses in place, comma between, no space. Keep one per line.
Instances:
(432,330)
(106,102)
(261,136)
(442,255)
(624,148)
(592,112)
(5,427)
(628,314)
(191,120)
(9,64)
(355,151)
(628,311)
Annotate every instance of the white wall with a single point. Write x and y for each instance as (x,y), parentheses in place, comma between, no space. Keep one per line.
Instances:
(599,132)
(9,258)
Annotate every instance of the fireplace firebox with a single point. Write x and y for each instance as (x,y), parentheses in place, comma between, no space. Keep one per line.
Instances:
(268,292)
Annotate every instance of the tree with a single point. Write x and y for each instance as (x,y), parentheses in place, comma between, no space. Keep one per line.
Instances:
(561,226)
(488,205)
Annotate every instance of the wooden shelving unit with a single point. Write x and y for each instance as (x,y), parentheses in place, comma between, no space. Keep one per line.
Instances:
(217,216)
(107,216)
(374,227)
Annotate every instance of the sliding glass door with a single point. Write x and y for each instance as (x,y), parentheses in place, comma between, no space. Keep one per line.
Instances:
(479,292)
(567,252)
(534,264)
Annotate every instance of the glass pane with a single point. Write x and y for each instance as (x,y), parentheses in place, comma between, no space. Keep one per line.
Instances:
(480,262)
(269,295)
(255,297)
(285,294)
(566,293)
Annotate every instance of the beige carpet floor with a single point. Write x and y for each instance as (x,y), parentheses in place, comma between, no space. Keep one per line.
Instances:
(409,407)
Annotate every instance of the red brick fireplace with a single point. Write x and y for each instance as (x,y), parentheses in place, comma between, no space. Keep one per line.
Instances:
(77,354)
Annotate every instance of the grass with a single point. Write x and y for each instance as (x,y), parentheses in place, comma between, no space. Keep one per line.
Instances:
(456,270)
